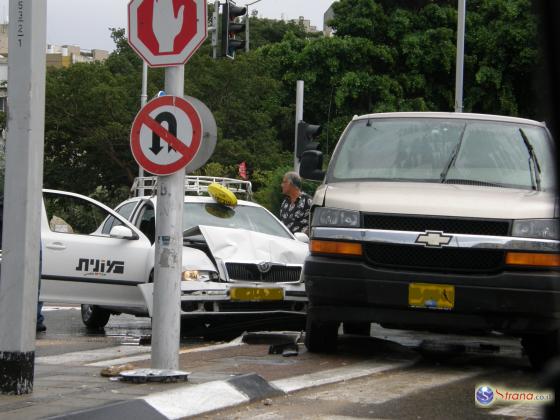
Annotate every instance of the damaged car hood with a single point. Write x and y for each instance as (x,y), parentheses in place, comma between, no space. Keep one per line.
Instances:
(241,245)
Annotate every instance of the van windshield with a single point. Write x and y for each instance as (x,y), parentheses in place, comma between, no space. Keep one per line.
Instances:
(474,152)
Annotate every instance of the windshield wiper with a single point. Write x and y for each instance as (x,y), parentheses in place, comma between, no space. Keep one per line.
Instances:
(453,157)
(533,162)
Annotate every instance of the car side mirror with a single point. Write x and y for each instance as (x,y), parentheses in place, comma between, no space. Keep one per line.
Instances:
(311,165)
(302,237)
(122,232)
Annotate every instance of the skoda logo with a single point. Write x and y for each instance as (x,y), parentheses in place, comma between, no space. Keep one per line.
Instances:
(264,267)
(433,239)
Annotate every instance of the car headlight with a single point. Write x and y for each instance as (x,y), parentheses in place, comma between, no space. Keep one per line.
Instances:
(536,228)
(198,275)
(326,216)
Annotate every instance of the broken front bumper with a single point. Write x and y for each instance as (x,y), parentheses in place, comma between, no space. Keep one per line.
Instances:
(215,299)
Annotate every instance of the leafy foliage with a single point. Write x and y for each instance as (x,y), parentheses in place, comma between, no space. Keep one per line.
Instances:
(386,55)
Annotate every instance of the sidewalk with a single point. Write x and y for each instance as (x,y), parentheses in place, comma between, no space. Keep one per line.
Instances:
(70,386)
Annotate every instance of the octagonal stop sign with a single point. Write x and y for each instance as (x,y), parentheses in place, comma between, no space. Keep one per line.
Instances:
(166,32)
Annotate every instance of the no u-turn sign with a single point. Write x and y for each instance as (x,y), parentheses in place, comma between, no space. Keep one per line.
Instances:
(166,135)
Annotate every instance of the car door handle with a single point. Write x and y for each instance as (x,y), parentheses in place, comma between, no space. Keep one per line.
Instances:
(56,246)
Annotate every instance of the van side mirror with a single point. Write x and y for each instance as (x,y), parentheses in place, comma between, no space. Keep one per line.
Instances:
(311,165)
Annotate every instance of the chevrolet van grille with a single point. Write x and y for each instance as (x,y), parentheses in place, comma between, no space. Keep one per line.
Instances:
(450,260)
(448,225)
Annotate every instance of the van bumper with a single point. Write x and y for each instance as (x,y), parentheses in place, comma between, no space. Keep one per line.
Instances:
(513,302)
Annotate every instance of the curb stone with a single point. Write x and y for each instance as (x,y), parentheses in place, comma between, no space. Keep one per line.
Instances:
(191,400)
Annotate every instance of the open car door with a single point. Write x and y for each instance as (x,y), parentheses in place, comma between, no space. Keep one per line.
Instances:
(91,254)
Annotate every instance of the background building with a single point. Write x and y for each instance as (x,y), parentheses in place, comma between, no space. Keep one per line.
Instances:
(306,23)
(329,14)
(57,56)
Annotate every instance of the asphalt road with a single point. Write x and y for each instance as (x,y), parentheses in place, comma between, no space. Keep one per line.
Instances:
(440,384)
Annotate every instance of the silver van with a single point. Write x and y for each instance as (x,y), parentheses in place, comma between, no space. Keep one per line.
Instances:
(436,221)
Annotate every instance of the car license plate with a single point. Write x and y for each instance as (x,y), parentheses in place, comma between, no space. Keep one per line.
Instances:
(254,294)
(432,296)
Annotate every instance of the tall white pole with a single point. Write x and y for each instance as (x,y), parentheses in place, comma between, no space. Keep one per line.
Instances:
(460,55)
(247,29)
(299,117)
(143,100)
(215,18)
(22,194)
(166,321)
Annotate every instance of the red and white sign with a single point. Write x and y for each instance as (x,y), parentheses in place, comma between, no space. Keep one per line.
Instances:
(166,32)
(166,135)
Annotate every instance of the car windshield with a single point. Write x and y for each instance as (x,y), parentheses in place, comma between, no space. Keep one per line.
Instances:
(499,154)
(240,217)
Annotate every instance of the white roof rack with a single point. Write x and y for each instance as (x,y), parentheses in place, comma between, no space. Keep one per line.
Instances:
(194,185)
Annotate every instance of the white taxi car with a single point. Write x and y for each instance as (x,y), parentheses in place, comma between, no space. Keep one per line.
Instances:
(237,261)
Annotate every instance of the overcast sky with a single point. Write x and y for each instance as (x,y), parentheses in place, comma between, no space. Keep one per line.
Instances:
(85,22)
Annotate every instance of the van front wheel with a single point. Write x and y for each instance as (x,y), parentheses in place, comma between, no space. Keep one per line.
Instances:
(321,337)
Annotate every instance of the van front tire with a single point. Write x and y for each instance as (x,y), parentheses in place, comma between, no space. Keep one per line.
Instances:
(321,337)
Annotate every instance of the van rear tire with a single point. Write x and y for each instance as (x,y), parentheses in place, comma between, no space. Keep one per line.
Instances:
(541,348)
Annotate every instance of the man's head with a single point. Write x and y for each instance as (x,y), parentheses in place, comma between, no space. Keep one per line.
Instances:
(291,184)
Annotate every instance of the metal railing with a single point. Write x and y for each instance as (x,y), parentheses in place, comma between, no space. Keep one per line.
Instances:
(194,185)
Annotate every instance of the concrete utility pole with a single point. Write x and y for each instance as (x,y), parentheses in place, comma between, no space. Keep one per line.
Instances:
(22,194)
(166,322)
(461,12)
(299,117)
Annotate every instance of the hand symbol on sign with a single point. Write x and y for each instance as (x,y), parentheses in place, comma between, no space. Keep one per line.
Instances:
(166,25)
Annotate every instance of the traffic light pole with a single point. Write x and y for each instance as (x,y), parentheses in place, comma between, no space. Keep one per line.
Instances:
(22,194)
(166,320)
(299,117)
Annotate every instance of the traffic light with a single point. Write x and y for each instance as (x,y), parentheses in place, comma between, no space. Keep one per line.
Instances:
(305,135)
(229,28)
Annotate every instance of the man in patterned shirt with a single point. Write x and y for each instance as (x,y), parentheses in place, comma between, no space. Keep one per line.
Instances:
(294,210)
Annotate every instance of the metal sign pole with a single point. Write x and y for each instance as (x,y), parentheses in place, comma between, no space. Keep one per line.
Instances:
(166,321)
(22,194)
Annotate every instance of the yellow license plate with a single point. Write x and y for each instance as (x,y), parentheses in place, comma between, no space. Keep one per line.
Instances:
(253,294)
(432,296)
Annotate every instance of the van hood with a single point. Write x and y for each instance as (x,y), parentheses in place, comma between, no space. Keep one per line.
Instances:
(441,200)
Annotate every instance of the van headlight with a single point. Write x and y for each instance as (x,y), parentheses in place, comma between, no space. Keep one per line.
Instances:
(331,217)
(536,228)
(198,275)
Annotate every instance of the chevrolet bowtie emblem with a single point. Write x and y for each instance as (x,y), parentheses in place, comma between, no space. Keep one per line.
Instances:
(433,239)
